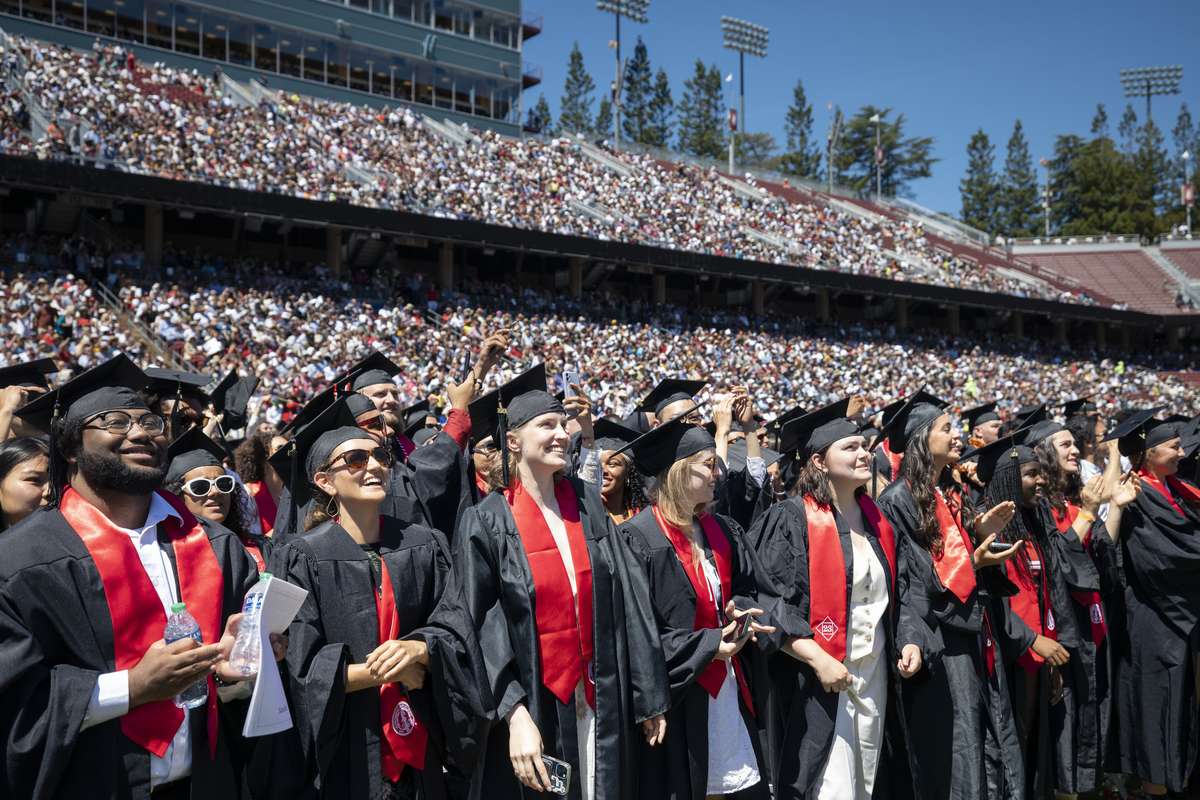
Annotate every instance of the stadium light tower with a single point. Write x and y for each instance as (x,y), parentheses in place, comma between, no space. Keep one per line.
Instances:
(744,37)
(636,11)
(1149,81)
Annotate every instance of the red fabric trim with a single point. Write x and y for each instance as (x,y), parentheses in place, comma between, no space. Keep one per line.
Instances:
(712,678)
(405,737)
(458,426)
(565,641)
(895,459)
(1033,594)
(1185,490)
(1090,600)
(265,505)
(956,565)
(255,552)
(138,618)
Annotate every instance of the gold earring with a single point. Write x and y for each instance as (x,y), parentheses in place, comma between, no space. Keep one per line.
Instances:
(331,507)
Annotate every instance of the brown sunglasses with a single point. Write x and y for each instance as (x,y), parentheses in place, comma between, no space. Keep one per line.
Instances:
(358,459)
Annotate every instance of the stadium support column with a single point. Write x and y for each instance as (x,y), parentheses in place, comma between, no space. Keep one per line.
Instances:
(823,314)
(333,250)
(446,267)
(1101,335)
(660,288)
(153,238)
(901,313)
(575,267)
(953,320)
(758,292)
(1060,332)
(1173,332)
(1126,338)
(1017,325)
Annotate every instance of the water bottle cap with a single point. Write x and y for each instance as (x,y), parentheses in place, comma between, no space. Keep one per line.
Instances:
(178,608)
(266,576)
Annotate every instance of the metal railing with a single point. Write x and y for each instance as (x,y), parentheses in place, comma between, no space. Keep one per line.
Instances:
(148,338)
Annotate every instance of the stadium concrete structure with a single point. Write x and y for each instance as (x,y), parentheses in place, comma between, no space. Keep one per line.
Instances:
(461,58)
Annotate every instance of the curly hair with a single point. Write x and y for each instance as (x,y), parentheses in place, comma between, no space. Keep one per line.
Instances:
(1061,486)
(250,457)
(917,470)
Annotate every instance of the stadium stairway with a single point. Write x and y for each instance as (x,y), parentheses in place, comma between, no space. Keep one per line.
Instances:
(1190,287)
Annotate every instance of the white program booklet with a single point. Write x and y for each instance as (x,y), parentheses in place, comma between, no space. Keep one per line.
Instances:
(269,712)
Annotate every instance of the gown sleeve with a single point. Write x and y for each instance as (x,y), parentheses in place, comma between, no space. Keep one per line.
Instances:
(317,666)
(780,542)
(42,709)
(438,476)
(476,563)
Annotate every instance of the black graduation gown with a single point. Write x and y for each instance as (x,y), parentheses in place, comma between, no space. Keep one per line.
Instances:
(1154,659)
(678,768)
(1049,765)
(338,625)
(739,498)
(56,630)
(802,715)
(497,586)
(967,745)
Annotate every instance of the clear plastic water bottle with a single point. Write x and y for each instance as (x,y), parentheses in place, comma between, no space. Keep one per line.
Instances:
(182,625)
(247,649)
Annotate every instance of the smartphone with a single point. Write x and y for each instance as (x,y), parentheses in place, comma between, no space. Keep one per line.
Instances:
(466,366)
(570,378)
(560,775)
(999,547)
(743,628)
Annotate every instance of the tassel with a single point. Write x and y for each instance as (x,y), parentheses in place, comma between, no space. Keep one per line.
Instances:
(293,524)
(502,440)
(175,415)
(57,467)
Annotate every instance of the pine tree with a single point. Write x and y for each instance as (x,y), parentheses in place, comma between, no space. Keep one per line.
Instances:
(754,148)
(575,109)
(1186,140)
(635,105)
(1153,171)
(661,112)
(803,156)
(1019,193)
(904,159)
(1100,122)
(1066,203)
(539,119)
(979,189)
(603,126)
(701,113)
(1127,130)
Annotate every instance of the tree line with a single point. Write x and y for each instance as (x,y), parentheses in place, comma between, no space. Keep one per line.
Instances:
(696,125)
(1098,184)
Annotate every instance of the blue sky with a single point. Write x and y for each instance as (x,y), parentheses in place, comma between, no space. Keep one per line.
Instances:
(951,67)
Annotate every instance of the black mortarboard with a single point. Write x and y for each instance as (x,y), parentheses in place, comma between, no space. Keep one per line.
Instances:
(818,429)
(231,397)
(115,384)
(736,460)
(636,421)
(1004,453)
(292,461)
(1038,432)
(414,417)
(376,368)
(319,402)
(612,435)
(356,405)
(887,412)
(670,390)
(191,451)
(916,414)
(423,435)
(168,382)
(1140,430)
(980,414)
(483,409)
(1028,415)
(1078,406)
(656,451)
(30,373)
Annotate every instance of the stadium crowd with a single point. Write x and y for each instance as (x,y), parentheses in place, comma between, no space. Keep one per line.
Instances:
(180,124)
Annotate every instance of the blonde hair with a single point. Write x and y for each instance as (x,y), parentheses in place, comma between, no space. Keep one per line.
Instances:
(671,496)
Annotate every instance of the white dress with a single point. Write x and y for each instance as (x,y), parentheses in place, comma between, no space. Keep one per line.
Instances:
(849,773)
(732,766)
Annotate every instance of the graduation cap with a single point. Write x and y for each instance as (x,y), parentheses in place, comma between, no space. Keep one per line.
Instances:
(376,368)
(737,456)
(656,451)
(115,384)
(414,417)
(190,451)
(887,412)
(636,421)
(980,414)
(917,412)
(291,461)
(165,382)
(1079,406)
(29,374)
(1028,415)
(321,401)
(612,435)
(424,435)
(1038,432)
(231,397)
(1005,453)
(818,429)
(483,410)
(1140,431)
(670,390)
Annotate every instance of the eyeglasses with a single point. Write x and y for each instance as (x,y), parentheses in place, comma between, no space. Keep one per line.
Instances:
(201,487)
(484,449)
(120,423)
(359,459)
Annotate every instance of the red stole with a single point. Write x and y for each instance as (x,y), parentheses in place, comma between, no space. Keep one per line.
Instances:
(955,565)
(404,736)
(1184,490)
(713,676)
(1088,599)
(827,586)
(265,504)
(893,458)
(1033,595)
(564,637)
(138,618)
(255,552)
